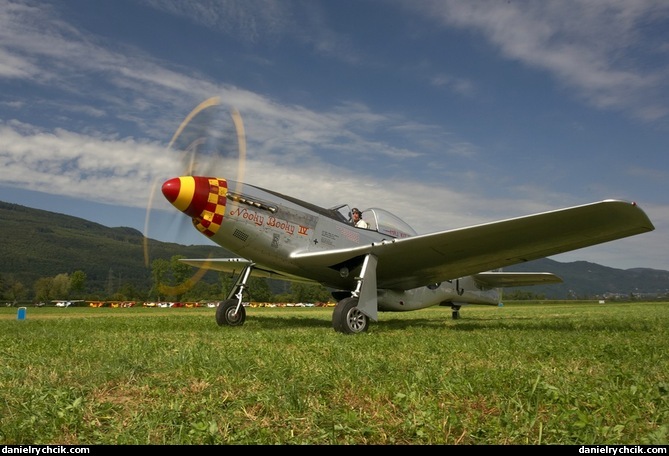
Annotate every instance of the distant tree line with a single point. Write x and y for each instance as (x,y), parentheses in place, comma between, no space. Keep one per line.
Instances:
(174,281)
(171,281)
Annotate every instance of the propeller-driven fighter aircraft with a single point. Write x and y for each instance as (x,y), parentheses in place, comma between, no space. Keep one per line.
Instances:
(386,266)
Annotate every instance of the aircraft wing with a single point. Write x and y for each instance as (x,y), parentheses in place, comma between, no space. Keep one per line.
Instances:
(446,255)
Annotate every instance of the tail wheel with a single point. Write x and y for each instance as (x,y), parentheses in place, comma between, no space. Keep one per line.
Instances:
(228,315)
(347,319)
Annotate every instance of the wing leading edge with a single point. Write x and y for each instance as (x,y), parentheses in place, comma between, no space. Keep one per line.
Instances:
(420,260)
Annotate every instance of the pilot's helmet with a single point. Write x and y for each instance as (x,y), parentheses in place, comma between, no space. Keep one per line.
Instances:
(356,211)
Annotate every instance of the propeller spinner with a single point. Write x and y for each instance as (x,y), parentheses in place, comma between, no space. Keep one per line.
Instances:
(201,198)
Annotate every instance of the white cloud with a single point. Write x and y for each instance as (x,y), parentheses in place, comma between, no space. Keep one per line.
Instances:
(595,48)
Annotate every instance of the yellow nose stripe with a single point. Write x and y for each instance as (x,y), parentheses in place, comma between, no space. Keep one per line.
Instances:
(186,193)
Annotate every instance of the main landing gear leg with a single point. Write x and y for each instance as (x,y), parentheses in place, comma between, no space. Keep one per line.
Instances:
(231,312)
(352,315)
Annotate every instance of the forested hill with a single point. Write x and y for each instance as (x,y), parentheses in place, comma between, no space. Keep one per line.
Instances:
(582,279)
(37,244)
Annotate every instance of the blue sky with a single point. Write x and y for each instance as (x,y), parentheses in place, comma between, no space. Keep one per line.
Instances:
(447,113)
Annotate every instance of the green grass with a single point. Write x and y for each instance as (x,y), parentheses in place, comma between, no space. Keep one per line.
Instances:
(566,373)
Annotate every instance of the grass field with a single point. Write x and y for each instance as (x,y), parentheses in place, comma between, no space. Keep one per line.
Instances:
(530,373)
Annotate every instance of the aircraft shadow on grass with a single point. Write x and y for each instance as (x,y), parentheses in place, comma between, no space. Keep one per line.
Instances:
(513,323)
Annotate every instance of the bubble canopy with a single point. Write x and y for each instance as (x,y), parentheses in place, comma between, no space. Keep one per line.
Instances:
(387,223)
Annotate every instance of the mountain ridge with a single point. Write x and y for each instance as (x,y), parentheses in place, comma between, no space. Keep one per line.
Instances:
(41,243)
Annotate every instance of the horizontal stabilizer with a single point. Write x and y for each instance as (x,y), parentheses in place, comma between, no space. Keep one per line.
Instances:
(514,279)
(236,265)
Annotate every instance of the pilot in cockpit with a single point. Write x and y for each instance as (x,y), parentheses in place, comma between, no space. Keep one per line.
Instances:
(358,222)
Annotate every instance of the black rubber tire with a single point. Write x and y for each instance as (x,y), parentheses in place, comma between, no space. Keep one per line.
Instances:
(226,315)
(347,319)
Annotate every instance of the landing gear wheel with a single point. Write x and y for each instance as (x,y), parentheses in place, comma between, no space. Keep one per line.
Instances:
(227,314)
(456,313)
(347,319)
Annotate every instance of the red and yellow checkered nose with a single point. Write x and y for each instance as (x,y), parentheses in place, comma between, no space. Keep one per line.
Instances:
(201,198)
